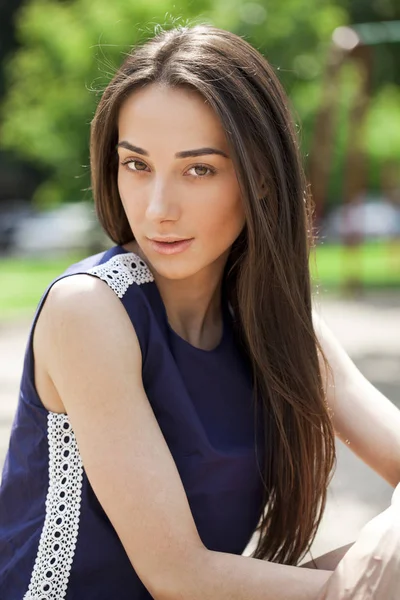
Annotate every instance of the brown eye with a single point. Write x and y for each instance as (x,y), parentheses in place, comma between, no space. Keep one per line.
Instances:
(200,170)
(139,165)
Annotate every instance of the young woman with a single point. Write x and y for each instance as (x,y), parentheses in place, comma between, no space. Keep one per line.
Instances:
(175,396)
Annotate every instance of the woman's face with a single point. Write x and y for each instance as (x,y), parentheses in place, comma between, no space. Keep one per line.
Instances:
(167,193)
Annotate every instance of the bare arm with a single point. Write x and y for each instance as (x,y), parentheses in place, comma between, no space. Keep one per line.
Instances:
(91,352)
(370,569)
(362,416)
(371,564)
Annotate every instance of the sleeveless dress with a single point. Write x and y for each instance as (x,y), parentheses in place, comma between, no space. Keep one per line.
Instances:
(56,541)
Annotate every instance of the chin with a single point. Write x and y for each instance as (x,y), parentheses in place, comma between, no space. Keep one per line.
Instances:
(167,270)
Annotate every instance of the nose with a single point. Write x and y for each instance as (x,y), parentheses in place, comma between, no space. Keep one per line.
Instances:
(162,202)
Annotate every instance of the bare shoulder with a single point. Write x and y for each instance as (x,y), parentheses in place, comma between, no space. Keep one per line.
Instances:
(79,310)
(79,294)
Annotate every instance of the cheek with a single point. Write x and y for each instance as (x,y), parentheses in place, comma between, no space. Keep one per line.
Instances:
(132,209)
(225,218)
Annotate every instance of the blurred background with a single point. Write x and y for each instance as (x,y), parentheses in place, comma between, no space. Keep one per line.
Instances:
(339,61)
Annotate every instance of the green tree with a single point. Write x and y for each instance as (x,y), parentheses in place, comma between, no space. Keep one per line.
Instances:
(69,51)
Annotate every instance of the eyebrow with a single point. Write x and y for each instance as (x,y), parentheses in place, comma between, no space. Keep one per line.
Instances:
(182,154)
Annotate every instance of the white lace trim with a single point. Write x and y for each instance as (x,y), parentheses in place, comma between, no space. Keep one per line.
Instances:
(50,575)
(122,270)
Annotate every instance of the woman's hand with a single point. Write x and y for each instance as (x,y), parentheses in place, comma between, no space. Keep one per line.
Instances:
(371,568)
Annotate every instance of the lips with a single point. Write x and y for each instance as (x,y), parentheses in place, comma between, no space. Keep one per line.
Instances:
(170,247)
(168,240)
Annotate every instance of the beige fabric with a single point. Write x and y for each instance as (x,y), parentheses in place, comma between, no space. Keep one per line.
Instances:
(370,570)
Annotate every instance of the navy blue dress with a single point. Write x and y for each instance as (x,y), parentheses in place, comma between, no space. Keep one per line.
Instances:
(55,539)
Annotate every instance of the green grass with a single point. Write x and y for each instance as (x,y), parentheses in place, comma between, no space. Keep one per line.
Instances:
(23,282)
(377,265)
(374,265)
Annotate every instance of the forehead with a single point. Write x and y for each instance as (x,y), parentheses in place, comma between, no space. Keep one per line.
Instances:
(180,114)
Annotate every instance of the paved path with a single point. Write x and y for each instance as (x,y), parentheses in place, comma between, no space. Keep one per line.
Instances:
(370,332)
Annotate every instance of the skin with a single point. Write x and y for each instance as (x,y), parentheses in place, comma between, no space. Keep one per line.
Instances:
(193,197)
(174,196)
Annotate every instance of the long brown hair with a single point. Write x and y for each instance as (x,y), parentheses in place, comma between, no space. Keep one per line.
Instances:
(267,274)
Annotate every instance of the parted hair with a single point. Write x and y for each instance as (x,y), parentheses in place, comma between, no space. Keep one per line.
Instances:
(267,273)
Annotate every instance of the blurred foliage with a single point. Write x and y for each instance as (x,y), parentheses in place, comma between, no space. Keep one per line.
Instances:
(70,49)
(383,124)
(386,55)
(348,82)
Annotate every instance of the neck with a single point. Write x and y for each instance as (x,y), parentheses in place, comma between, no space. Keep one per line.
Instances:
(194,311)
(193,305)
